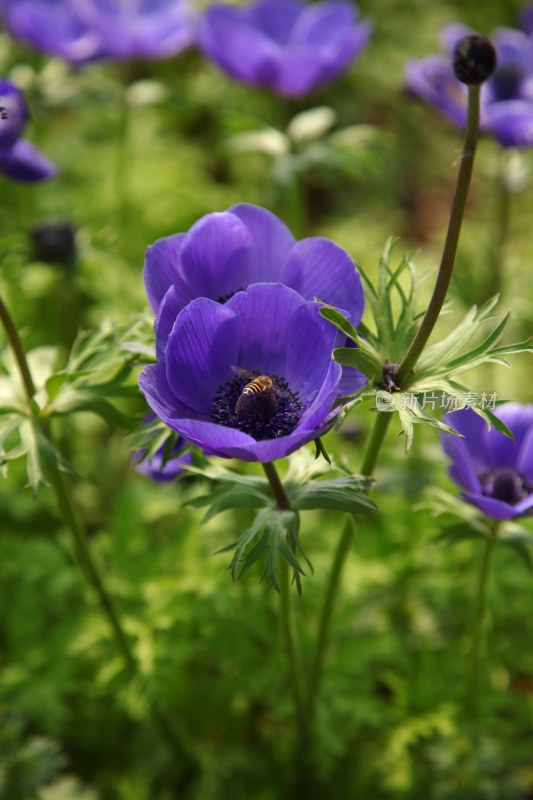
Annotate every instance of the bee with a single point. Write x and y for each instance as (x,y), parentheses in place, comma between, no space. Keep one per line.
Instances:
(259,396)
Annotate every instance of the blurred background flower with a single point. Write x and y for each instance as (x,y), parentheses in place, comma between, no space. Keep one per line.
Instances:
(284,45)
(507,97)
(19,159)
(495,472)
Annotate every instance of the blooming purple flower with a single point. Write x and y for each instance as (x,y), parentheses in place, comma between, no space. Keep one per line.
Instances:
(154,467)
(225,252)
(287,46)
(19,159)
(209,354)
(495,472)
(506,97)
(84,30)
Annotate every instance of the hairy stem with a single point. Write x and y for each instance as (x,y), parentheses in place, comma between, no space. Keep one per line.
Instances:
(452,238)
(18,350)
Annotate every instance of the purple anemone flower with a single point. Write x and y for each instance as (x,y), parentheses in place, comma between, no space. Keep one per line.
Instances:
(251,379)
(154,467)
(145,29)
(19,159)
(506,97)
(225,252)
(51,26)
(495,472)
(287,46)
(85,30)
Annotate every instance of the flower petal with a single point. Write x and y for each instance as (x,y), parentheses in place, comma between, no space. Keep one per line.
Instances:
(200,352)
(511,122)
(161,270)
(433,80)
(276,18)
(13,113)
(474,430)
(168,312)
(503,451)
(215,256)
(272,242)
(496,509)
(24,162)
(319,268)
(462,470)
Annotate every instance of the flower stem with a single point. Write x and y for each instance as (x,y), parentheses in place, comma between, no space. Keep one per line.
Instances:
(383,419)
(452,238)
(290,637)
(18,350)
(85,560)
(280,495)
(479,629)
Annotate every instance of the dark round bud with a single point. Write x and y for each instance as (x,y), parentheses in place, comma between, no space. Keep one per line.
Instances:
(474,59)
(54,241)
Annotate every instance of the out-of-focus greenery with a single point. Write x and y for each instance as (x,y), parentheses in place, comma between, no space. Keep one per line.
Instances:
(390,721)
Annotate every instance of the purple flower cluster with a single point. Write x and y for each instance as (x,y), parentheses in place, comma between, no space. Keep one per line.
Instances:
(244,366)
(85,30)
(19,159)
(287,46)
(154,467)
(495,473)
(507,96)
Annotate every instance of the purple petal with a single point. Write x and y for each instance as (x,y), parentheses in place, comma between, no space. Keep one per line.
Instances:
(524,505)
(496,509)
(155,469)
(324,24)
(266,312)
(462,470)
(13,113)
(524,462)
(272,242)
(276,18)
(229,39)
(23,162)
(321,406)
(503,451)
(526,18)
(318,268)
(511,122)
(296,72)
(161,270)
(474,429)
(200,352)
(168,312)
(433,80)
(215,256)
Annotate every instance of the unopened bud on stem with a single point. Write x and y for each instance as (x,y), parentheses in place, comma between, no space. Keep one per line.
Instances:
(474,59)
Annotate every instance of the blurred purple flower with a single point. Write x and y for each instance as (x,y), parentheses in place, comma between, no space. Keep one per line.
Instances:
(154,467)
(506,98)
(85,30)
(144,29)
(495,472)
(207,353)
(225,252)
(51,26)
(19,159)
(287,46)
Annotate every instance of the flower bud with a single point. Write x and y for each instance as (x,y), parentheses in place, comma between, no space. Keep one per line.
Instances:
(474,59)
(54,241)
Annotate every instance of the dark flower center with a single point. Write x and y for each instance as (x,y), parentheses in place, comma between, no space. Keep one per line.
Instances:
(506,82)
(225,297)
(264,409)
(3,113)
(506,485)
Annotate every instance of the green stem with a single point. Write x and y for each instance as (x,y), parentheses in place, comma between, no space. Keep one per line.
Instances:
(290,637)
(18,350)
(382,421)
(87,565)
(341,553)
(480,624)
(280,495)
(452,238)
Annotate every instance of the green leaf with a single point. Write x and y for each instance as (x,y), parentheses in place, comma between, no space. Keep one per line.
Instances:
(363,358)
(340,322)
(462,532)
(239,496)
(339,494)
(492,420)
(273,535)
